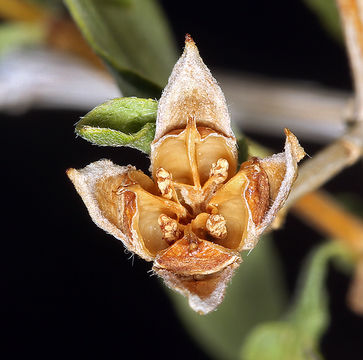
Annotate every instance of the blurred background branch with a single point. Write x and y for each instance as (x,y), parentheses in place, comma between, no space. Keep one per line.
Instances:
(46,63)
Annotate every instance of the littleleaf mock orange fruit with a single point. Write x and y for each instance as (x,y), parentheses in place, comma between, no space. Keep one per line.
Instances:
(196,213)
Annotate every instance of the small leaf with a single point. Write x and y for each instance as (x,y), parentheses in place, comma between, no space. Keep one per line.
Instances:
(297,336)
(121,122)
(132,37)
(256,294)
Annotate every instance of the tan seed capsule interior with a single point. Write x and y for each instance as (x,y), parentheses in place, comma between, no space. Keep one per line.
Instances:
(195,193)
(211,204)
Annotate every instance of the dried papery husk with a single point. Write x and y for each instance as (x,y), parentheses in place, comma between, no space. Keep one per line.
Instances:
(192,91)
(281,170)
(204,292)
(120,200)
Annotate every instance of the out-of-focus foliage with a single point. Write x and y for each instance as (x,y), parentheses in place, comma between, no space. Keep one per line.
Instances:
(46,2)
(14,35)
(21,10)
(133,39)
(352,202)
(256,294)
(121,122)
(327,12)
(297,335)
(51,4)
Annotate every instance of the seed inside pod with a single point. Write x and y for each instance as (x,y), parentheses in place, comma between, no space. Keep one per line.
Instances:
(216,225)
(169,228)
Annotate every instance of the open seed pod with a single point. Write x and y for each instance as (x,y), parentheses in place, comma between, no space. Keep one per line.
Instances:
(196,213)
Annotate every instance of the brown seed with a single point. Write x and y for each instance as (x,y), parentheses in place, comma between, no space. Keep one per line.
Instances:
(219,170)
(216,225)
(169,228)
(164,183)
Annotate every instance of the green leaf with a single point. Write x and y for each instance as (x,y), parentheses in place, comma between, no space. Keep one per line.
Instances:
(132,37)
(297,336)
(121,122)
(327,13)
(256,294)
(18,34)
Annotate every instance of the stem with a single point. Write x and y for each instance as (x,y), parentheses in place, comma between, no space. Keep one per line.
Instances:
(351,13)
(348,149)
(318,208)
(321,211)
(265,106)
(328,163)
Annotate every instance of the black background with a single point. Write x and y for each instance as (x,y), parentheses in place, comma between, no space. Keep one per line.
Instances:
(69,289)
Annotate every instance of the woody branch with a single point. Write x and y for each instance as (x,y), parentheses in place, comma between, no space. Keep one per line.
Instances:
(349,148)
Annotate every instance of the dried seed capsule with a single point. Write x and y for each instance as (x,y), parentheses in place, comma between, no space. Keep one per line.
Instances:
(196,213)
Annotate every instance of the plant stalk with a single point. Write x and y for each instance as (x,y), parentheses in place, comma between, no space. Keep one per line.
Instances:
(323,212)
(329,162)
(351,15)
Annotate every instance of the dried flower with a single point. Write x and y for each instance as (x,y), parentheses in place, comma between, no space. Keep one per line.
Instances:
(196,213)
